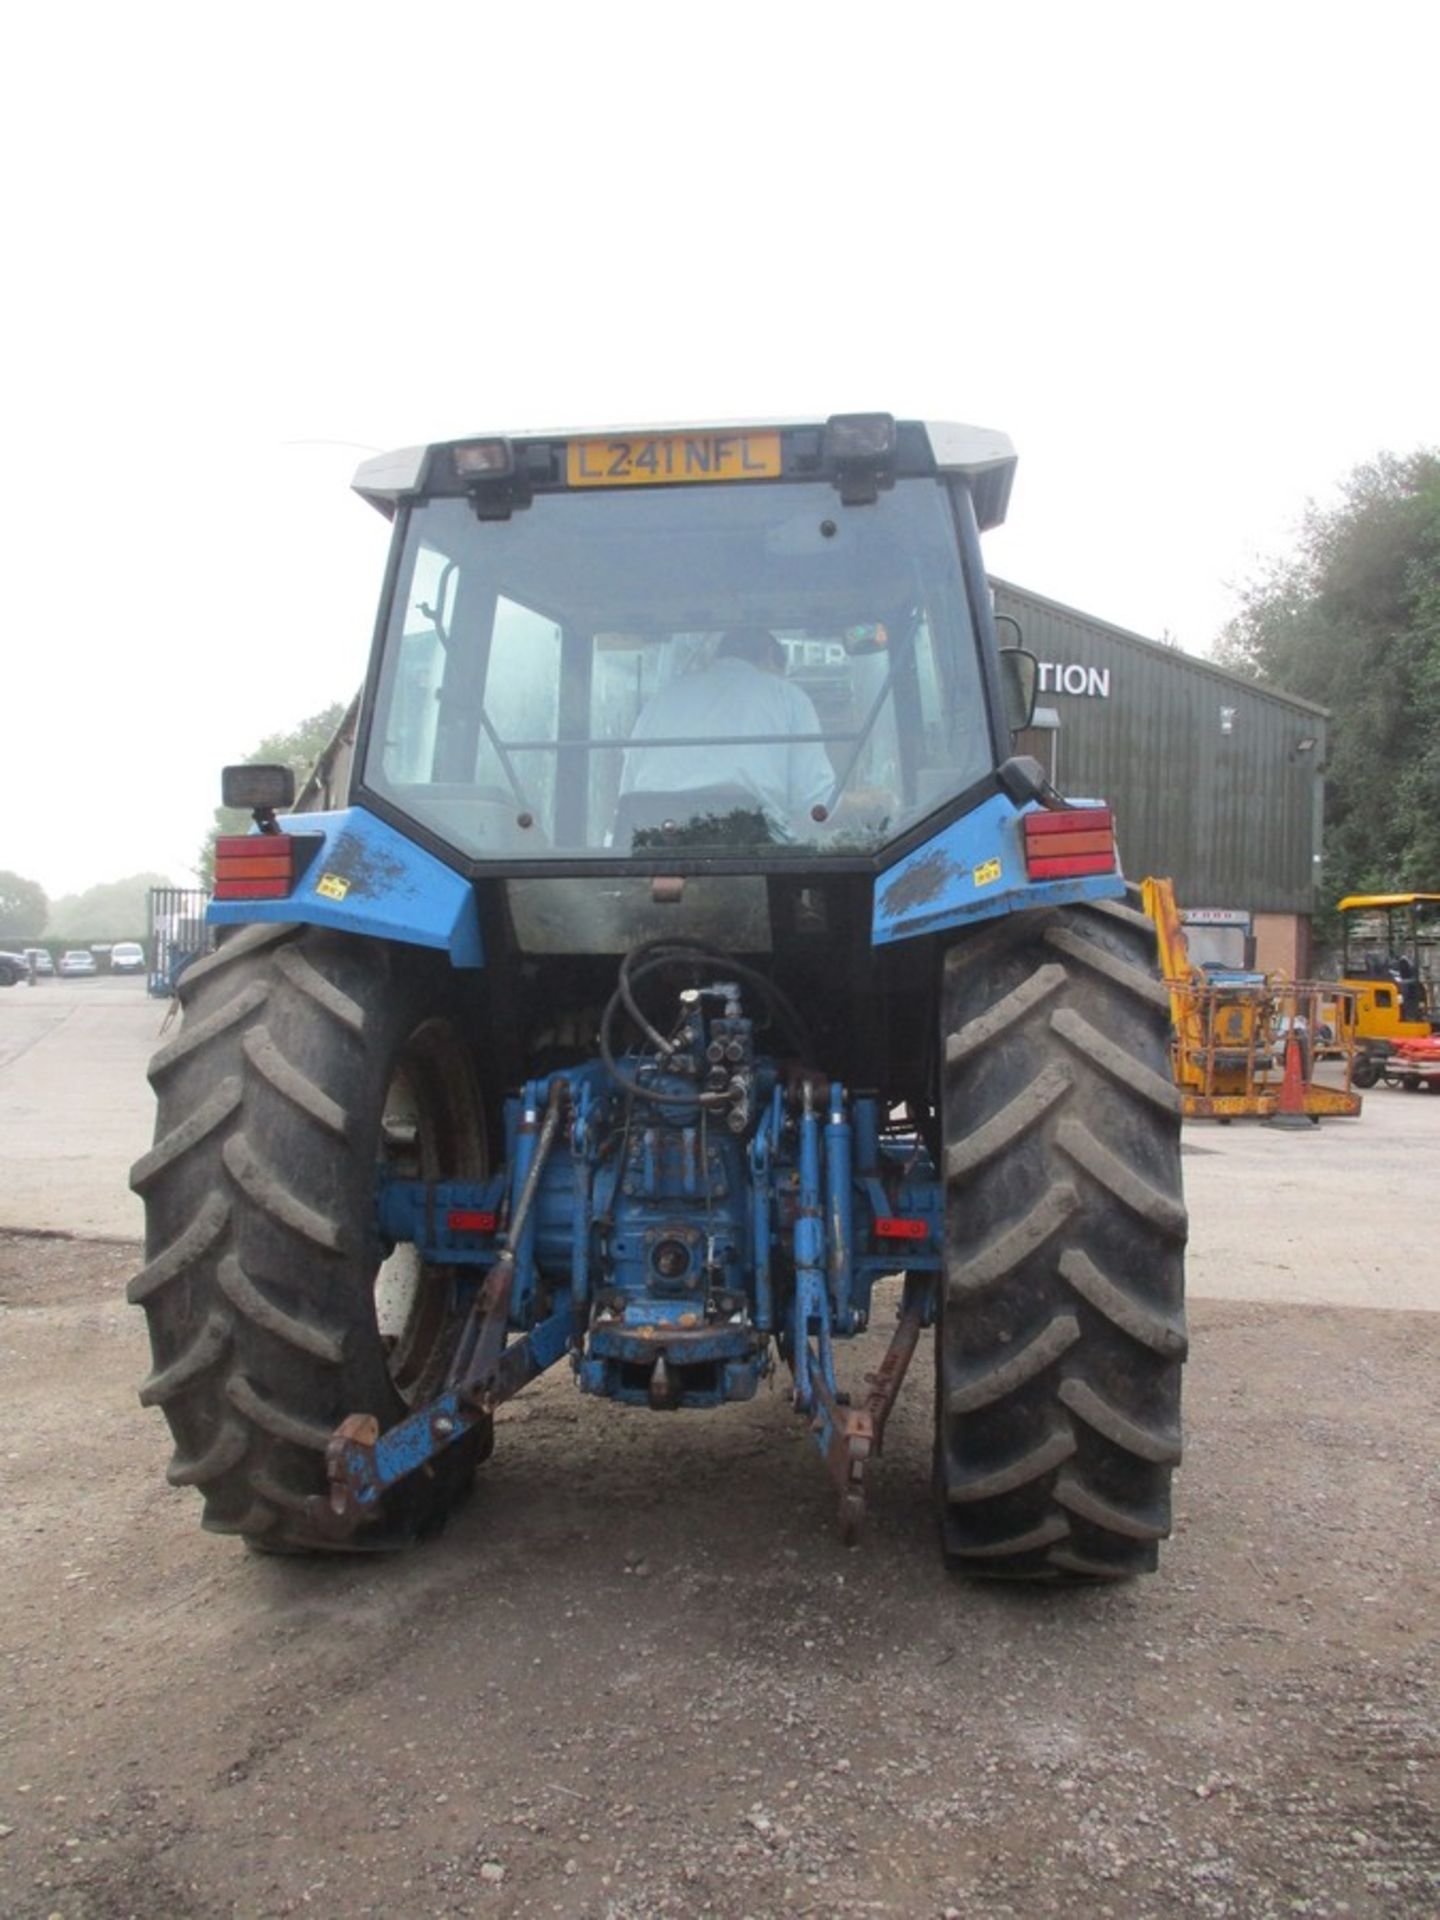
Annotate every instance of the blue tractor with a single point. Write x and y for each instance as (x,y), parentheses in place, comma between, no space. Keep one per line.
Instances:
(695,952)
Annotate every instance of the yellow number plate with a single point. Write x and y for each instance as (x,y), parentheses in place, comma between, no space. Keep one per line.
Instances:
(650,460)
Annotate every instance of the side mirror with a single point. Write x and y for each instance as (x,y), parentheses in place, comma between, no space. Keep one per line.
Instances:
(1019,683)
(261,789)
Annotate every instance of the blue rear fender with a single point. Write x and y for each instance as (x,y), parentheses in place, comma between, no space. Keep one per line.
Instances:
(973,870)
(365,878)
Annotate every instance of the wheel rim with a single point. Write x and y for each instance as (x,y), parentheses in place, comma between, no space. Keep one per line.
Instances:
(431,1129)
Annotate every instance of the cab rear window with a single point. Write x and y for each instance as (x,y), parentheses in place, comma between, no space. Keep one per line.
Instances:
(704,669)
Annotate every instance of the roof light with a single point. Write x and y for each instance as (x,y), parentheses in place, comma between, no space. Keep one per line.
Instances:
(482,460)
(257,787)
(254,866)
(1065,845)
(860,436)
(860,449)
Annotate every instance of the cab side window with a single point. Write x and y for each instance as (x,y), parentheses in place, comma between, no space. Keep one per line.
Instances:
(522,703)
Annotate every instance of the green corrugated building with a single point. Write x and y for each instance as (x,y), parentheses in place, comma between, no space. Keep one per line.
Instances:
(1216,782)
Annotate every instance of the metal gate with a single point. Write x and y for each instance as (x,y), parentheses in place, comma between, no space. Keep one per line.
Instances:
(177,934)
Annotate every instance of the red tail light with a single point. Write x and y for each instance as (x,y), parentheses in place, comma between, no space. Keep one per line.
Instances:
(466,1220)
(1059,846)
(893,1227)
(254,866)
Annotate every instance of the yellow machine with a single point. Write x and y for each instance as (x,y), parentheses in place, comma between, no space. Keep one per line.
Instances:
(1391,942)
(1231,1051)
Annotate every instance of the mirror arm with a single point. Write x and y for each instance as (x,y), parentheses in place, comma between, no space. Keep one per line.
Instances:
(1023,779)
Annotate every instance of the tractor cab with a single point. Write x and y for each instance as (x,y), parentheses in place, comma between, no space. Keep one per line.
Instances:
(677,651)
(1389,956)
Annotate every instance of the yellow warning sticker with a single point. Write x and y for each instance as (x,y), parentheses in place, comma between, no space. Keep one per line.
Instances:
(332,886)
(987,872)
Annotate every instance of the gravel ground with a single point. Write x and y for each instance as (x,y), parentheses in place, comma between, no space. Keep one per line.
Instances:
(639,1676)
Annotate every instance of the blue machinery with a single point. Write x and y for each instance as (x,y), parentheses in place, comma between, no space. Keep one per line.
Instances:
(668,1218)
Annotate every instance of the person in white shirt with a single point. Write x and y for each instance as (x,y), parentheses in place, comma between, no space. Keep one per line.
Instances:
(742,691)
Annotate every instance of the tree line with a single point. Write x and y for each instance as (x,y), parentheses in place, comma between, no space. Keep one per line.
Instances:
(1351,620)
(115,910)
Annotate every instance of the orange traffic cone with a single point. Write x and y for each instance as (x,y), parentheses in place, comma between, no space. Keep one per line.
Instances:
(1290,1109)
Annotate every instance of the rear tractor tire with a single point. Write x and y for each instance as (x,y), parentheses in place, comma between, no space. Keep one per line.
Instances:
(305,1060)
(1062,1331)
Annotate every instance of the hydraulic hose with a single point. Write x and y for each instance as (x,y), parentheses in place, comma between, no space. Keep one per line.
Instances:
(667,951)
(655,956)
(662,1096)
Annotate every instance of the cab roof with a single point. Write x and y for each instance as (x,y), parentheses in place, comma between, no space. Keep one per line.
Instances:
(1356,902)
(986,457)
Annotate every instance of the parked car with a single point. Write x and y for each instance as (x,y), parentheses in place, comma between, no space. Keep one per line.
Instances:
(13,969)
(127,956)
(76,963)
(42,957)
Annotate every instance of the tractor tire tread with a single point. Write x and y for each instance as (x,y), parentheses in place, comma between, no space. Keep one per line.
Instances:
(1013,1367)
(194,1241)
(1036,1462)
(257,1306)
(226,1448)
(1052,1528)
(292,1084)
(1145,987)
(1102,1052)
(1062,1326)
(269,1192)
(1072,1492)
(238,950)
(191,1132)
(258,1278)
(996,1259)
(326,995)
(1161,1332)
(1134,1436)
(252,1525)
(1015,1007)
(209,1345)
(192,1037)
(965,1158)
(1118,1177)
(1087,1570)
(274,1419)
(1128,912)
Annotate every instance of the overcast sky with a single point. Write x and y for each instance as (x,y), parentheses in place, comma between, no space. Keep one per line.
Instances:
(1184,255)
